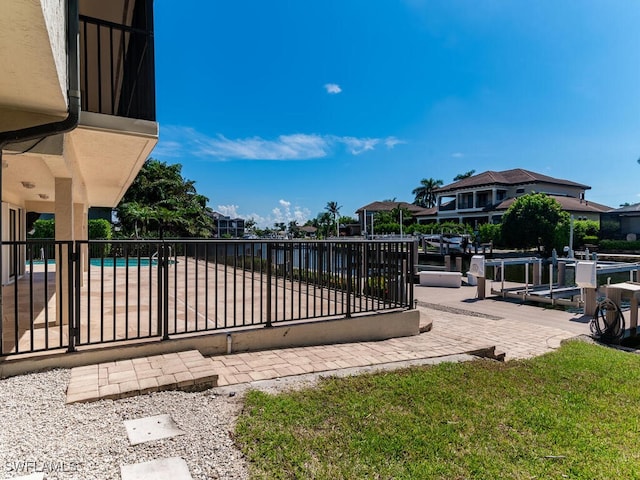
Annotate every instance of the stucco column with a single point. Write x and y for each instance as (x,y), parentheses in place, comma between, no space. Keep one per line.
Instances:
(81,232)
(64,232)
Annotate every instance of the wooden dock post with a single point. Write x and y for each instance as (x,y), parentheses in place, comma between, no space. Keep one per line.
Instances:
(590,301)
(482,292)
(537,274)
(562,273)
(447,263)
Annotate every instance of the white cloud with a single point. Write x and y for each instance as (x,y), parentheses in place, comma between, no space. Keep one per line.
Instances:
(282,213)
(286,214)
(457,155)
(167,148)
(229,210)
(391,142)
(356,146)
(285,147)
(332,88)
(184,141)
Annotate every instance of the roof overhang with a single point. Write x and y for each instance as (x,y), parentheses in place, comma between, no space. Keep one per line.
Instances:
(102,155)
(34,78)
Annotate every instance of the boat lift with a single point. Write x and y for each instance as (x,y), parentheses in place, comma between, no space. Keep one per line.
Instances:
(581,294)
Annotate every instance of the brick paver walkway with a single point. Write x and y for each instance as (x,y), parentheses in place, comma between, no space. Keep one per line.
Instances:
(125,378)
(460,325)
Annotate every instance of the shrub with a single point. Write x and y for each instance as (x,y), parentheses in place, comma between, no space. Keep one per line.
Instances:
(43,229)
(616,245)
(490,232)
(100,229)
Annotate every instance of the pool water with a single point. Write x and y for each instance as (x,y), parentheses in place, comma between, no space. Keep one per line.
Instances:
(122,262)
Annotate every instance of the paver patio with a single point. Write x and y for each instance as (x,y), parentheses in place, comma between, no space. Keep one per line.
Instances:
(460,325)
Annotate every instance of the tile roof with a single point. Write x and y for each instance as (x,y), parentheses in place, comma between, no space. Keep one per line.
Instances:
(569,204)
(628,209)
(517,176)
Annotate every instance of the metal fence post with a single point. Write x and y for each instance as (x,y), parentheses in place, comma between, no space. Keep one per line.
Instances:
(73,288)
(349,276)
(269,253)
(165,290)
(413,260)
(159,320)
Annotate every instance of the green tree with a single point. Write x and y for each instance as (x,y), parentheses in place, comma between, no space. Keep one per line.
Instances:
(334,209)
(294,229)
(323,223)
(279,227)
(250,226)
(346,220)
(462,176)
(532,221)
(425,194)
(161,202)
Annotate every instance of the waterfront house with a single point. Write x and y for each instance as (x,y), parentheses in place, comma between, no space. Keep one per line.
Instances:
(485,197)
(622,223)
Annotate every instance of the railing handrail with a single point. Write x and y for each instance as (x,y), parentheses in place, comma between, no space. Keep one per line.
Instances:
(127,289)
(119,26)
(406,239)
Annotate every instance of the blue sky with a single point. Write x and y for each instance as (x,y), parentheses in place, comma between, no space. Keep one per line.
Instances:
(277,107)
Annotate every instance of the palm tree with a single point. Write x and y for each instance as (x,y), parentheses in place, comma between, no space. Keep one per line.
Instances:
(425,193)
(462,176)
(334,210)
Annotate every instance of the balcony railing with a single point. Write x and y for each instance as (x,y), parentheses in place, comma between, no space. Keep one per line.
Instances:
(117,68)
(138,290)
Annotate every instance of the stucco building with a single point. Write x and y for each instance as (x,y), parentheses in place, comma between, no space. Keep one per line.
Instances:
(485,197)
(77,111)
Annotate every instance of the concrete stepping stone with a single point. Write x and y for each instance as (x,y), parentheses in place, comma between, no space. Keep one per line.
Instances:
(173,468)
(147,429)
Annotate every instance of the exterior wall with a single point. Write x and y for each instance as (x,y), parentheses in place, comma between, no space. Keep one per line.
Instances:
(544,188)
(586,216)
(55,15)
(361,329)
(33,47)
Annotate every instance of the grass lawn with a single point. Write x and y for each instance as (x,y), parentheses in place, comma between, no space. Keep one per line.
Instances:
(573,413)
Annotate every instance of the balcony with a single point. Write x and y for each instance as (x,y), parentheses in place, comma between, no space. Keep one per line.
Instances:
(117,65)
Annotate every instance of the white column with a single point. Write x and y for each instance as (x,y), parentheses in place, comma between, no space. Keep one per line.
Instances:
(64,231)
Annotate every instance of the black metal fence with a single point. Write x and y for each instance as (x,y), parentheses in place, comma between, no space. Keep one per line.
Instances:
(69,294)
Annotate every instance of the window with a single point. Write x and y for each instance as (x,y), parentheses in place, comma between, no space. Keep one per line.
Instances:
(466,200)
(483,199)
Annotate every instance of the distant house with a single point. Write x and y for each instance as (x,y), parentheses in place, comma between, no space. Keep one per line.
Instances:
(366,213)
(485,197)
(227,226)
(309,231)
(621,223)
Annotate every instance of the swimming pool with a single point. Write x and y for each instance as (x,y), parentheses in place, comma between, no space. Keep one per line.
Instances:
(122,262)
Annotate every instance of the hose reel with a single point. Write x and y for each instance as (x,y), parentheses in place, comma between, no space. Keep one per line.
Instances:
(608,323)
